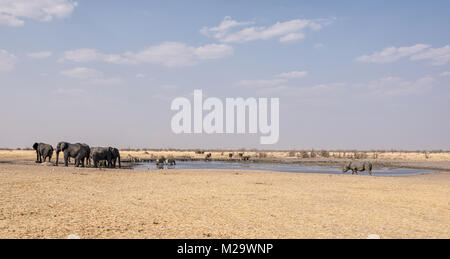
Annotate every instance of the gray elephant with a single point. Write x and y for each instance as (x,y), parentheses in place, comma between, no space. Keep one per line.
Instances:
(115,157)
(160,162)
(357,166)
(43,151)
(78,151)
(171,162)
(102,154)
(86,159)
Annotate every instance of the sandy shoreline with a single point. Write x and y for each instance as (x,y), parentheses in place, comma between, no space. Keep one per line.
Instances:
(53,202)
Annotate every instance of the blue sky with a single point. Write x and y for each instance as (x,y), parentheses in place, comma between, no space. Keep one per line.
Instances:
(349,74)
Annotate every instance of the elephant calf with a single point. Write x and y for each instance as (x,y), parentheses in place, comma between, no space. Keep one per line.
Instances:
(357,166)
(43,151)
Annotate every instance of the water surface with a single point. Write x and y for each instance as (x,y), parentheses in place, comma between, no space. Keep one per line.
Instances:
(290,168)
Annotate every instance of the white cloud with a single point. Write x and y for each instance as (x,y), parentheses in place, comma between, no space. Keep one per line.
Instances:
(40,55)
(396,86)
(286,31)
(439,56)
(82,55)
(82,73)
(392,54)
(446,73)
(220,30)
(169,54)
(292,37)
(13,12)
(293,74)
(213,51)
(92,55)
(176,54)
(7,61)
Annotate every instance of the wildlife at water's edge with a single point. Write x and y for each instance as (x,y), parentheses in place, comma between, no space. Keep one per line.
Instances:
(357,166)
(109,155)
(42,152)
(163,162)
(80,152)
(171,162)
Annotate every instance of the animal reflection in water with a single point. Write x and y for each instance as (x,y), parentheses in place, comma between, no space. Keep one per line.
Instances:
(162,163)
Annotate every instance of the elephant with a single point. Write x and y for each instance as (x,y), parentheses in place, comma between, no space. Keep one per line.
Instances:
(160,162)
(115,157)
(43,151)
(86,159)
(78,151)
(100,154)
(171,162)
(357,166)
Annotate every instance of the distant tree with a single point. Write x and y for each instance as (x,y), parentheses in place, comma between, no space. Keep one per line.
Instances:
(313,154)
(325,153)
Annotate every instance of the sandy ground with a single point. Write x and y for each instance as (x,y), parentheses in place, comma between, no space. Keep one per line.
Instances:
(39,201)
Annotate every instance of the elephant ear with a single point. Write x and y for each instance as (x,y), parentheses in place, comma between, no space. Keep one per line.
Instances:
(35,146)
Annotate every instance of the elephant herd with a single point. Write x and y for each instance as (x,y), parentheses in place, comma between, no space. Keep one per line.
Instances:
(109,156)
(82,153)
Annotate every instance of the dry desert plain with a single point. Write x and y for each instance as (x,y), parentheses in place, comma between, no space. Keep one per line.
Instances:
(41,201)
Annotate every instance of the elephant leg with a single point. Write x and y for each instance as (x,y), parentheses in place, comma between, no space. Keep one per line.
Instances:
(66,160)
(77,161)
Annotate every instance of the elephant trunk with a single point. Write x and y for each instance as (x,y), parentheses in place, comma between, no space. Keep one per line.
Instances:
(120,165)
(57,157)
